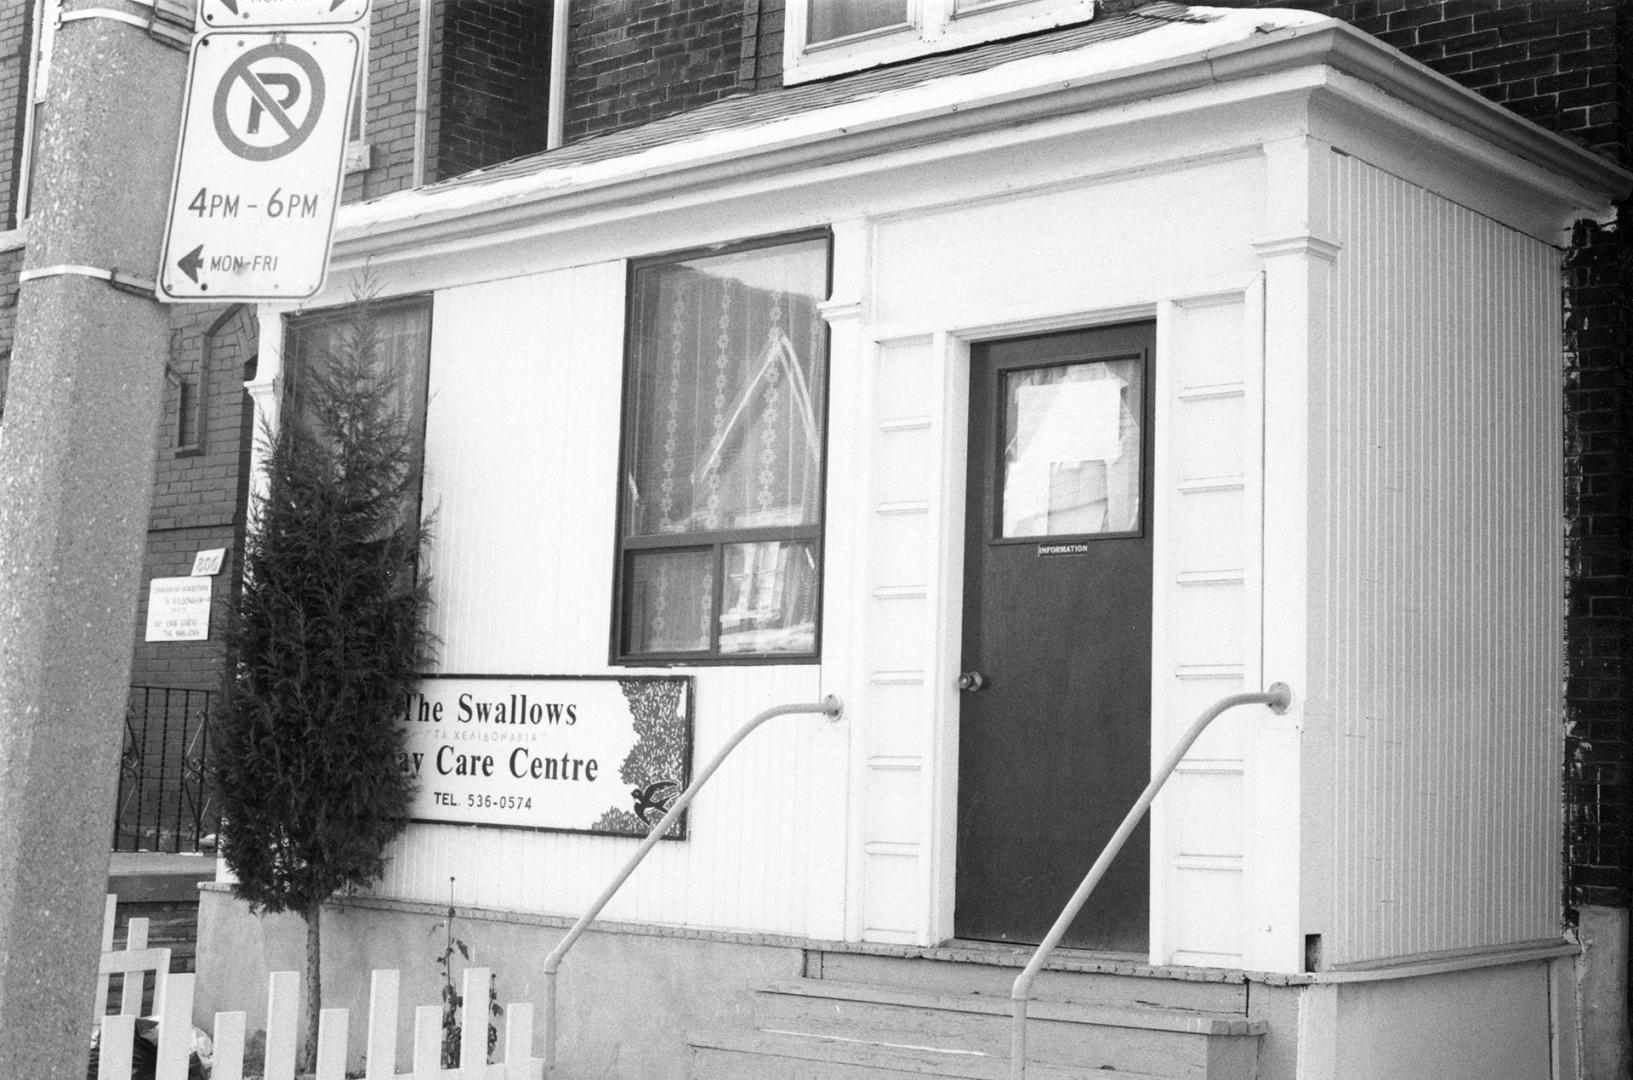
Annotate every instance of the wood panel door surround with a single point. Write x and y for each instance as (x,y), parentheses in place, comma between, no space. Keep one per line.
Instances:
(1054,718)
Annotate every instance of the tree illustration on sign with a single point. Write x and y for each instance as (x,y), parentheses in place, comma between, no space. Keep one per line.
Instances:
(656,767)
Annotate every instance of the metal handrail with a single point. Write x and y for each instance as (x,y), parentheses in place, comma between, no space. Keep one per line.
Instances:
(830,706)
(1278,697)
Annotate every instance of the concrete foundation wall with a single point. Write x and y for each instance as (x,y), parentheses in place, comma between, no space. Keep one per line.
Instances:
(1601,990)
(631,996)
(628,997)
(1492,1023)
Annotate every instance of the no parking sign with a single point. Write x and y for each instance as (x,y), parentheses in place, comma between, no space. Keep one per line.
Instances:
(259,164)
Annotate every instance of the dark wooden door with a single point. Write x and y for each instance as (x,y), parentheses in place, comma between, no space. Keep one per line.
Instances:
(1054,746)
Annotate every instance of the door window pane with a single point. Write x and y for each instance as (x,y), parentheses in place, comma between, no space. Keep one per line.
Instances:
(830,19)
(1072,443)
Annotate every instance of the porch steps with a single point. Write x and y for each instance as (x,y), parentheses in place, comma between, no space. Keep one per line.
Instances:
(990,970)
(824,1029)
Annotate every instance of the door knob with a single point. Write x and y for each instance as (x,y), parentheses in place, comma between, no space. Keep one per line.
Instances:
(971,680)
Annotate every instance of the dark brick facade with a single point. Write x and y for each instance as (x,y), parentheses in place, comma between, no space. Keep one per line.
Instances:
(1599,513)
(632,61)
(388,114)
(491,83)
(199,485)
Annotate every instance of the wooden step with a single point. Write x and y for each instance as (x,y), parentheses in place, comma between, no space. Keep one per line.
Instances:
(827,1029)
(766,1055)
(991,970)
(1131,1038)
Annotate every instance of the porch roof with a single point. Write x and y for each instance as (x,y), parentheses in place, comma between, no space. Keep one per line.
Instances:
(1162,48)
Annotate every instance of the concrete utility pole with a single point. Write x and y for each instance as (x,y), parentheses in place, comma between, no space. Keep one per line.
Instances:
(76,479)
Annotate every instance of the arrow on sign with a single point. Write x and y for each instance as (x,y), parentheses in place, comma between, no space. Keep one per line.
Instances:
(190,263)
(232,5)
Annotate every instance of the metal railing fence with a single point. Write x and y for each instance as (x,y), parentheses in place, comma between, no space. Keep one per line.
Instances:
(165,802)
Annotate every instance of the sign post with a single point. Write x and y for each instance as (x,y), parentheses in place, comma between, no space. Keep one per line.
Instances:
(260,158)
(76,487)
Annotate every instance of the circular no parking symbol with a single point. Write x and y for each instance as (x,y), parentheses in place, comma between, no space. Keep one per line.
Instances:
(260,97)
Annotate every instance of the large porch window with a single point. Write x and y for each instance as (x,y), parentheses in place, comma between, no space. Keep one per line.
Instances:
(721,501)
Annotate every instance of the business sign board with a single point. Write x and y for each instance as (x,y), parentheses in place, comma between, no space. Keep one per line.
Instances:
(259,164)
(217,14)
(582,754)
(178,609)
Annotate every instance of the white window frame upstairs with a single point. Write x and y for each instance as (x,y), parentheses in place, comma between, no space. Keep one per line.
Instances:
(932,26)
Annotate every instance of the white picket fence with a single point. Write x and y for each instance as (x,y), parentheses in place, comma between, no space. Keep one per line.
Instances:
(173,1008)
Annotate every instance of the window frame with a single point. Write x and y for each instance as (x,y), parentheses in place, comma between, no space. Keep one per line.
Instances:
(188,437)
(626,547)
(1146,417)
(933,26)
(41,41)
(359,153)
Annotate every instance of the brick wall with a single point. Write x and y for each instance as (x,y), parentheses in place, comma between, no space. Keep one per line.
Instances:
(1599,515)
(492,83)
(765,23)
(640,60)
(489,90)
(388,115)
(198,488)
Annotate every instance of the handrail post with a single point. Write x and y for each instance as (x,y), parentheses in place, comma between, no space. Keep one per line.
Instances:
(830,706)
(1279,697)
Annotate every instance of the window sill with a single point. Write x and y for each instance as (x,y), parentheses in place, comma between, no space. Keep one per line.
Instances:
(695,661)
(802,64)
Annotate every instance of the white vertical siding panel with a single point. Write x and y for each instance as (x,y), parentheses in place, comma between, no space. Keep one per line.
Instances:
(899,625)
(1442,574)
(1207,625)
(521,450)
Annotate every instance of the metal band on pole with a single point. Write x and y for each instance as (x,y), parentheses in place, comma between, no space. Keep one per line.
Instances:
(138,286)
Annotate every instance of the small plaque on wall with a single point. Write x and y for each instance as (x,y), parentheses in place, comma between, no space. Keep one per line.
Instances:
(588,754)
(178,609)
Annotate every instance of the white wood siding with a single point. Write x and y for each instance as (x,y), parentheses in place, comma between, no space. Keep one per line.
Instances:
(1206,575)
(521,452)
(903,530)
(1441,572)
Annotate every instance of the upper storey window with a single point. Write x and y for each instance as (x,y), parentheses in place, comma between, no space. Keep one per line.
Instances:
(831,37)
